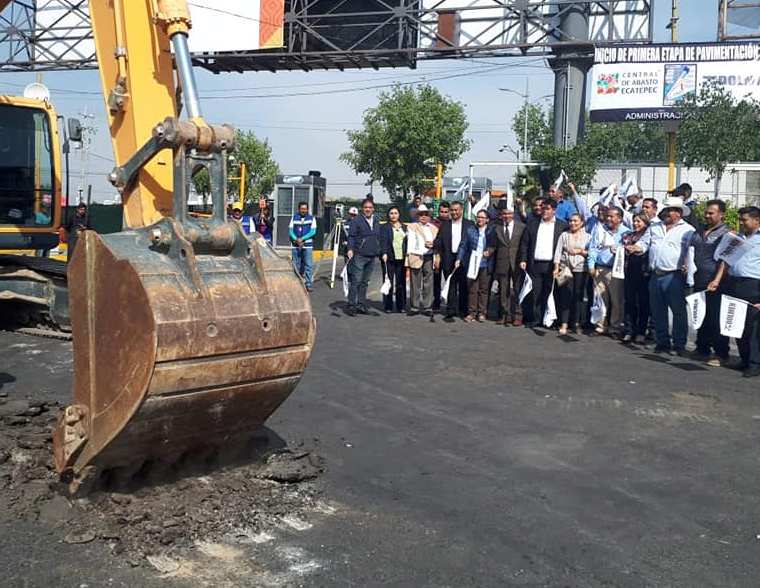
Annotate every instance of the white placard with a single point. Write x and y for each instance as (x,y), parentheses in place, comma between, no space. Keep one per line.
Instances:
(474,266)
(731,249)
(618,265)
(733,313)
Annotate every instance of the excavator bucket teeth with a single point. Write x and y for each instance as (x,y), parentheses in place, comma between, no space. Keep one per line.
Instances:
(176,349)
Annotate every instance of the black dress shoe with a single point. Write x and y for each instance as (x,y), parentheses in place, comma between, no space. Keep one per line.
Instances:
(449,318)
(362,310)
(662,349)
(350,311)
(751,372)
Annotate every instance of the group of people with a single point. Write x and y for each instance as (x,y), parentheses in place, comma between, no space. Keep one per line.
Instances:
(619,268)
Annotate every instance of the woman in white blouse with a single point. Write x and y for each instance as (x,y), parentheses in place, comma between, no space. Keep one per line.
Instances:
(570,273)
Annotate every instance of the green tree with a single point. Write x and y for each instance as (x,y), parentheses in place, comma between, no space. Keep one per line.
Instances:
(261,168)
(402,135)
(627,141)
(579,162)
(540,124)
(716,129)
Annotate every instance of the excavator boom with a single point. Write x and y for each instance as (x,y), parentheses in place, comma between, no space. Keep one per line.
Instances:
(187,333)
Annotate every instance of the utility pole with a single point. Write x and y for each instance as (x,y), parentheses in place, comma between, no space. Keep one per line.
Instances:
(524,151)
(671,132)
(88,130)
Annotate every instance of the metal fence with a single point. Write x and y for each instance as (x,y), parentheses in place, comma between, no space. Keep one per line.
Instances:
(740,183)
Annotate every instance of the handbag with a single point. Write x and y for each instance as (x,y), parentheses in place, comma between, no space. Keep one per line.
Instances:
(565,275)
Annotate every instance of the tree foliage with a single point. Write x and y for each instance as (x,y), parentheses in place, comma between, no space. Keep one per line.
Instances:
(579,162)
(540,123)
(716,129)
(261,168)
(627,141)
(409,127)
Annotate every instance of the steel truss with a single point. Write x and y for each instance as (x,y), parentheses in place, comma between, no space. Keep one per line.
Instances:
(738,19)
(348,34)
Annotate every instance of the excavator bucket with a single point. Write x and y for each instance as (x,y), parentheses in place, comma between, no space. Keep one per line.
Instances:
(187,333)
(176,351)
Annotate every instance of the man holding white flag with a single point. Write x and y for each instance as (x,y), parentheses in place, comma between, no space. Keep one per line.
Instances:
(744,283)
(705,242)
(668,245)
(606,258)
(537,252)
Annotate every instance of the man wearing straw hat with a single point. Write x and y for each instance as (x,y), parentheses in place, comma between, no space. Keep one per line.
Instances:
(668,245)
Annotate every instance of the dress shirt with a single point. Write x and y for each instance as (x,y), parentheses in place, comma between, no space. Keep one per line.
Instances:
(370,220)
(704,244)
(668,249)
(427,232)
(748,265)
(544,250)
(456,235)
(509,227)
(604,244)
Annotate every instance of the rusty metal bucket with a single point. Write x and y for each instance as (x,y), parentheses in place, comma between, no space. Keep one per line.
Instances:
(187,334)
(176,349)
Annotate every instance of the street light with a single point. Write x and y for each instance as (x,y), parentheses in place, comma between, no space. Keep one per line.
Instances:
(525,97)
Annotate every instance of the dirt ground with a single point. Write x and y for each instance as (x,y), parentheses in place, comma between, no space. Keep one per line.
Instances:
(444,454)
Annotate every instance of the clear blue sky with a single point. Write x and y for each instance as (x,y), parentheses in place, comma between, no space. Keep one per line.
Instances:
(307,131)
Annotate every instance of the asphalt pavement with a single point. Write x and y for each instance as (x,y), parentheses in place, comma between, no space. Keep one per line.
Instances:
(473,455)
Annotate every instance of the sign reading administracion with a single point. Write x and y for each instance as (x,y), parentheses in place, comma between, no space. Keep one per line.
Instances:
(647,82)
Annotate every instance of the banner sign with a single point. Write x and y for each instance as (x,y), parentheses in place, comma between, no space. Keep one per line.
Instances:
(647,82)
(236,25)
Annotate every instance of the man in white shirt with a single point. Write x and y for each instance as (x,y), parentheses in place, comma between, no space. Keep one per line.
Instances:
(537,257)
(668,246)
(447,246)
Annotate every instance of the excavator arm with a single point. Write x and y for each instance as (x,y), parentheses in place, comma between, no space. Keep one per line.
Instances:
(187,333)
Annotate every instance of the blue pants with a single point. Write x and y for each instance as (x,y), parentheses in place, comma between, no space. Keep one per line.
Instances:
(668,291)
(360,269)
(304,264)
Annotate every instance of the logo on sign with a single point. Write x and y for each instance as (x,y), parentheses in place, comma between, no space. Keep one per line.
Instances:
(608,83)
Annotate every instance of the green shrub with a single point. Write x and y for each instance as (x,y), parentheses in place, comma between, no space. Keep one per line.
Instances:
(732,213)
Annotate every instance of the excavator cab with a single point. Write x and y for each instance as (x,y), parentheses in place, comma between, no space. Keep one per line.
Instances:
(187,333)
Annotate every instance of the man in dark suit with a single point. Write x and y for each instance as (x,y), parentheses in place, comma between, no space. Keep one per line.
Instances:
(507,236)
(537,256)
(446,245)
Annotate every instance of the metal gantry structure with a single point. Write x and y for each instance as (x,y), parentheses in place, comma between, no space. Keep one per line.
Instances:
(351,34)
(347,34)
(738,19)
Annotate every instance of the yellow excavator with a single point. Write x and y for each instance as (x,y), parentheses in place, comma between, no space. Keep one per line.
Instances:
(33,293)
(187,333)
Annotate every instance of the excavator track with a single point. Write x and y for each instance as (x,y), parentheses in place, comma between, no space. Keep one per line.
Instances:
(34,296)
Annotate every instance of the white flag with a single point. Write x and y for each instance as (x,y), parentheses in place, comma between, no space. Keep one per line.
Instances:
(618,266)
(344,278)
(733,313)
(560,179)
(510,197)
(474,267)
(731,249)
(608,195)
(629,187)
(598,309)
(696,306)
(385,289)
(550,314)
(445,288)
(526,289)
(482,204)
(495,287)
